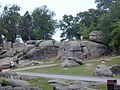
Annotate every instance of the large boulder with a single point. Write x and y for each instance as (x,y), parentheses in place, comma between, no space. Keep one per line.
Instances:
(46,43)
(102,70)
(95,36)
(115,69)
(72,61)
(69,63)
(47,49)
(18,83)
(28,48)
(10,53)
(4,63)
(19,47)
(81,49)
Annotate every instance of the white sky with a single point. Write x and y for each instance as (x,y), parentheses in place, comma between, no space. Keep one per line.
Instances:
(60,7)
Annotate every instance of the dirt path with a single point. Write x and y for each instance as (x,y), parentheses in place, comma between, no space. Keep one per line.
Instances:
(69,77)
(36,67)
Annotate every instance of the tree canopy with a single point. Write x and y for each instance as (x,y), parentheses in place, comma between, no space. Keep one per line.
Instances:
(40,23)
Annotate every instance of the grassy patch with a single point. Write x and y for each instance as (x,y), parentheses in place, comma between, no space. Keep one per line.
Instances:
(41,83)
(86,69)
(44,85)
(99,87)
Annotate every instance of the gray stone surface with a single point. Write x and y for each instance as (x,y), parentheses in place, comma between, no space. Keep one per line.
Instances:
(46,50)
(18,83)
(9,53)
(19,47)
(82,50)
(115,69)
(102,70)
(95,36)
(69,63)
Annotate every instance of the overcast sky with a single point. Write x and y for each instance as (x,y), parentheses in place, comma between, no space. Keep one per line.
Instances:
(60,7)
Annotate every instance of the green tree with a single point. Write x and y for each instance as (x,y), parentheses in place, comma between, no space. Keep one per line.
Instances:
(67,25)
(10,22)
(104,4)
(26,26)
(115,41)
(44,24)
(88,21)
(108,25)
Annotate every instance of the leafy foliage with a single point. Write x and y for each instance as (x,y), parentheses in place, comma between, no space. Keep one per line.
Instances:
(44,25)
(26,26)
(10,21)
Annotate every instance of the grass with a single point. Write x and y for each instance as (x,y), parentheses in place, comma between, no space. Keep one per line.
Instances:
(41,83)
(99,87)
(83,70)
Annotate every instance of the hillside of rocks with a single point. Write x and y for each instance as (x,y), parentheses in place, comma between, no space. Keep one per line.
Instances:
(71,53)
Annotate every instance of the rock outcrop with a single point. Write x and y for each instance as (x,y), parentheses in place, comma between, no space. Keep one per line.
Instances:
(46,50)
(81,49)
(31,50)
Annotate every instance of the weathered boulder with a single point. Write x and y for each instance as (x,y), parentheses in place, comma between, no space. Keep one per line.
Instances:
(4,63)
(95,36)
(47,49)
(19,47)
(25,62)
(25,77)
(115,69)
(28,48)
(47,43)
(18,83)
(102,70)
(33,54)
(82,50)
(9,53)
(69,63)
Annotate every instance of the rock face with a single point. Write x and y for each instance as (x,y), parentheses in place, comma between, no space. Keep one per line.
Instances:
(81,49)
(115,69)
(47,49)
(102,70)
